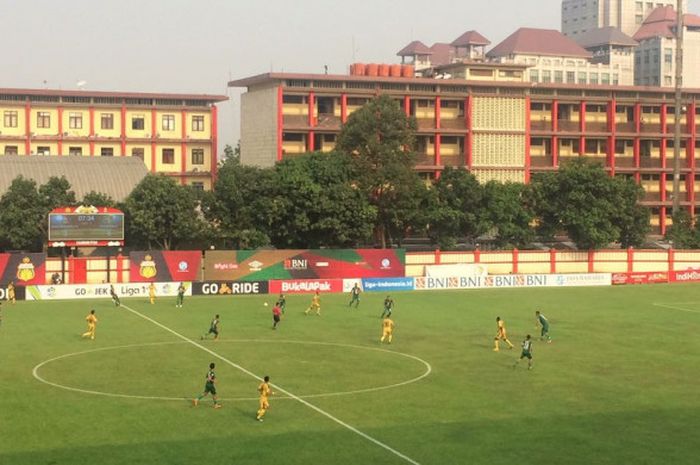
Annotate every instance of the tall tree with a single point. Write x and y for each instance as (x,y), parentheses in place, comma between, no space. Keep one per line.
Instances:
(510,214)
(97,199)
(57,193)
(459,209)
(162,213)
(23,216)
(380,138)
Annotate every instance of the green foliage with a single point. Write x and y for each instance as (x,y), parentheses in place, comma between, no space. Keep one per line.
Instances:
(97,199)
(240,206)
(56,193)
(591,207)
(380,138)
(231,154)
(459,209)
(509,211)
(682,233)
(315,205)
(162,213)
(23,216)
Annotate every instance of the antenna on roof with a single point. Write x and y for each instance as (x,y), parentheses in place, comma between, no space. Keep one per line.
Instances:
(80,84)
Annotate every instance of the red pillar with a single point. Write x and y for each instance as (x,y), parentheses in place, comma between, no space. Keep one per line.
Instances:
(123,132)
(438,157)
(60,131)
(690,156)
(343,108)
(469,159)
(637,141)
(630,260)
(407,105)
(555,129)
(662,216)
(154,124)
(27,128)
(214,142)
(183,146)
(280,121)
(552,261)
(582,129)
(120,266)
(477,255)
(591,261)
(437,112)
(516,256)
(671,260)
(91,116)
(664,109)
(312,121)
(612,129)
(438,256)
(527,139)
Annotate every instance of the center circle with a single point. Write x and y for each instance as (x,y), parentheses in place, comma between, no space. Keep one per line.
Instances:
(322,357)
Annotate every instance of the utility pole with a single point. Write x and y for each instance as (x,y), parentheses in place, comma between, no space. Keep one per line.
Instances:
(678,103)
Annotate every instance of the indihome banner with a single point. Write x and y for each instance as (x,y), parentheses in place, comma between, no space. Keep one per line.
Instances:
(168,265)
(22,268)
(263,265)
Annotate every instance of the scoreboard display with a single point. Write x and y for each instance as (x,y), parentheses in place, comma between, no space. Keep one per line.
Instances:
(86,227)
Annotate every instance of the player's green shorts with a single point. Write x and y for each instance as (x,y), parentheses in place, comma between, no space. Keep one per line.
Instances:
(545,330)
(209,387)
(526,354)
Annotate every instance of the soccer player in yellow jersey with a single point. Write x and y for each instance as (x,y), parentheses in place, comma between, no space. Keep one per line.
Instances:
(152,293)
(315,304)
(92,323)
(265,393)
(11,293)
(501,334)
(387,330)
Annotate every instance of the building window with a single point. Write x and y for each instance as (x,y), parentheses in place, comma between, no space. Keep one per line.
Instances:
(106,121)
(534,75)
(668,56)
(75,120)
(11,150)
(168,122)
(546,76)
(43,119)
(594,78)
(197,156)
(198,123)
(559,76)
(138,153)
(639,7)
(10,119)
(668,81)
(43,150)
(75,151)
(570,77)
(198,185)
(605,79)
(582,78)
(168,157)
(616,79)
(138,123)
(107,152)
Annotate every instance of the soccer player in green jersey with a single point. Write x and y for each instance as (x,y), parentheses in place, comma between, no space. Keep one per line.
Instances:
(526,353)
(213,328)
(209,388)
(180,295)
(355,295)
(282,302)
(115,297)
(388,307)
(541,320)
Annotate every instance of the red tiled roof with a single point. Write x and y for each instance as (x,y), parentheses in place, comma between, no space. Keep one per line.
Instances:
(414,48)
(97,93)
(661,23)
(470,38)
(691,20)
(605,36)
(531,41)
(442,54)
(662,13)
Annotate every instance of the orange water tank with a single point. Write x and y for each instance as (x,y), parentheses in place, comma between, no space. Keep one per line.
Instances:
(407,71)
(384,70)
(372,69)
(395,71)
(360,69)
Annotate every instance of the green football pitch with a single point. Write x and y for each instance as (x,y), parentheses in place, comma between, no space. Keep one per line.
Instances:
(618,385)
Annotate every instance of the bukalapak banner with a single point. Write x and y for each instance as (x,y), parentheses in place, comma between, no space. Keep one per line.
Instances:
(265,265)
(167,265)
(22,268)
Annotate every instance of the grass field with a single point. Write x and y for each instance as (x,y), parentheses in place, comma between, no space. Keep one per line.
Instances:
(619,384)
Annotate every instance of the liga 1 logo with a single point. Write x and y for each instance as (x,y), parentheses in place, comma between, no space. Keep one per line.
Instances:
(25,270)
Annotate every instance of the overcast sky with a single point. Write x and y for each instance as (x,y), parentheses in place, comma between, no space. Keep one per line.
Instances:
(196,46)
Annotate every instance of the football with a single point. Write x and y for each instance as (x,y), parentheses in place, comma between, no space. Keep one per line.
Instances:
(265,304)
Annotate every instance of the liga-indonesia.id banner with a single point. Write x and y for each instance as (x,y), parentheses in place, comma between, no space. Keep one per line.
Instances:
(22,268)
(168,265)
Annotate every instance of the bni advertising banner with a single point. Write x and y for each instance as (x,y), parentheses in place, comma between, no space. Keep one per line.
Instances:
(514,280)
(263,265)
(22,268)
(163,266)
(101,291)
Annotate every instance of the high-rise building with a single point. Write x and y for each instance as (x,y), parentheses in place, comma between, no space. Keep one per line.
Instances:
(655,58)
(580,16)
(174,134)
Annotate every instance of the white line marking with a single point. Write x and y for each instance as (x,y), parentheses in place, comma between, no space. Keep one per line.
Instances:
(677,308)
(35,371)
(280,389)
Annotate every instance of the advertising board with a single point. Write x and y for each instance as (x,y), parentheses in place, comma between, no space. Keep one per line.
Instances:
(514,280)
(101,291)
(387,284)
(640,277)
(168,265)
(22,268)
(305,286)
(229,287)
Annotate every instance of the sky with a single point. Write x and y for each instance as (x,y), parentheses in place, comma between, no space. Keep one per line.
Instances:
(197,46)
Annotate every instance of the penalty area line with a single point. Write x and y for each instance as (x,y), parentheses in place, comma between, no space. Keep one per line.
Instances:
(277,387)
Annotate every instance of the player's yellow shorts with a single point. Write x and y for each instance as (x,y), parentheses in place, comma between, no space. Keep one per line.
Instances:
(387,332)
(264,404)
(501,335)
(91,327)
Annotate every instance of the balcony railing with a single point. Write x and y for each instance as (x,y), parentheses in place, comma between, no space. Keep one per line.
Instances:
(650,162)
(651,128)
(453,123)
(541,125)
(541,161)
(452,160)
(422,159)
(328,121)
(596,126)
(295,121)
(626,127)
(624,162)
(568,126)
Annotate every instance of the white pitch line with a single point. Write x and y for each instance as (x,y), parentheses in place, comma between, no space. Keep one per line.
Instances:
(280,389)
(672,307)
(38,377)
